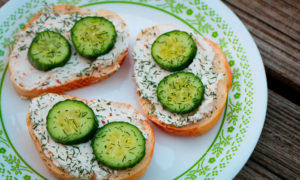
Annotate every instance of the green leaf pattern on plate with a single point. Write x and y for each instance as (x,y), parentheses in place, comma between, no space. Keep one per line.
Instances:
(209,24)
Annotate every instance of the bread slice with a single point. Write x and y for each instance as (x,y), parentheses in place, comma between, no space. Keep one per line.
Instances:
(220,65)
(133,173)
(72,82)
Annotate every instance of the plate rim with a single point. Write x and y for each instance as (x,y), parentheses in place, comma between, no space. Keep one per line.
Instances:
(130,2)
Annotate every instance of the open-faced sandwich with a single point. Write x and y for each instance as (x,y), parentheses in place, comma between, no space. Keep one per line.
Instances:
(64,47)
(182,79)
(96,139)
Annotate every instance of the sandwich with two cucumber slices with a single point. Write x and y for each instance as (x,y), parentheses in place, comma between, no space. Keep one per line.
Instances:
(64,47)
(182,79)
(90,139)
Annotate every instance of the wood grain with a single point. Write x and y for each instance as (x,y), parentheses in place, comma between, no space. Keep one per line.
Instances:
(279,46)
(283,18)
(294,3)
(253,170)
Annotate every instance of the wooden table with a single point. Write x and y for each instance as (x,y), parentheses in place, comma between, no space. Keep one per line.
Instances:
(275,27)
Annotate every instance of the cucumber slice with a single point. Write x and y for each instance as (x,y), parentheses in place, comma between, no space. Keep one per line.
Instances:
(119,145)
(174,50)
(180,92)
(49,50)
(93,36)
(71,122)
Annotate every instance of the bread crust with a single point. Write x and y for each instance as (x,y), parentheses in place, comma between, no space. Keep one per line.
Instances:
(133,173)
(76,82)
(204,125)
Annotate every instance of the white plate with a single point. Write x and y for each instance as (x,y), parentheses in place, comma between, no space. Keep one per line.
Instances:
(219,154)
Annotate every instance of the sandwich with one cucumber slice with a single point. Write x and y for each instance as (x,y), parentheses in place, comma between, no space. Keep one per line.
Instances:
(65,47)
(90,139)
(182,79)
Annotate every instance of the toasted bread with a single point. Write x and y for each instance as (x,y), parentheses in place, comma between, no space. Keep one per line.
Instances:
(73,81)
(133,173)
(223,86)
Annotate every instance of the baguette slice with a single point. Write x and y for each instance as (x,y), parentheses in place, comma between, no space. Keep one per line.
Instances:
(132,173)
(73,82)
(223,86)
